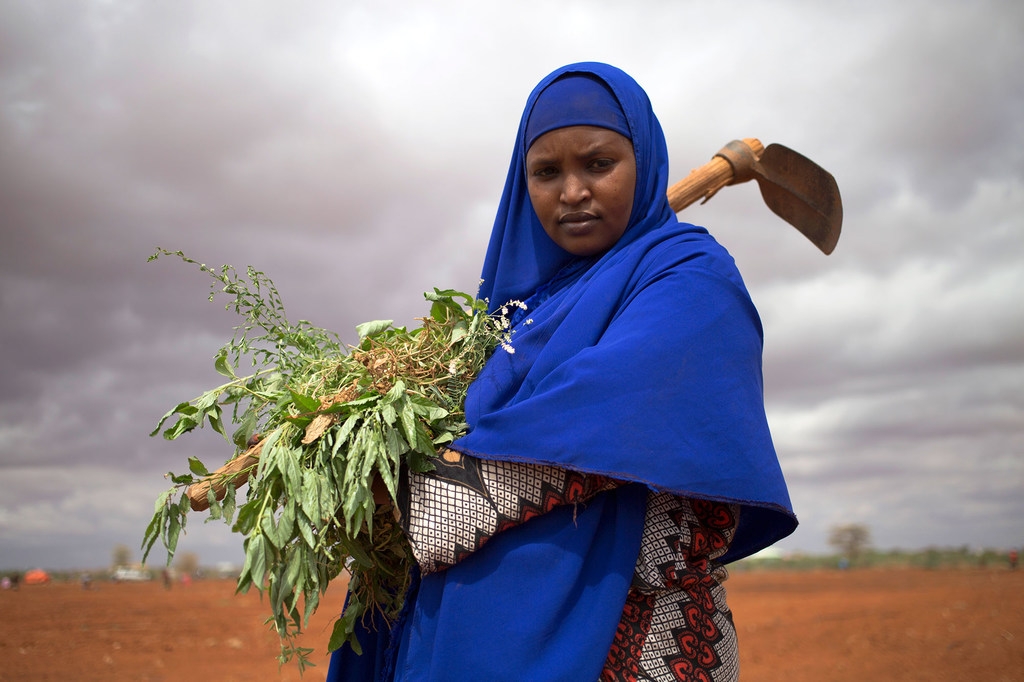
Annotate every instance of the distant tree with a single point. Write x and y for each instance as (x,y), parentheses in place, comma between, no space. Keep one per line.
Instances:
(850,540)
(187,563)
(122,555)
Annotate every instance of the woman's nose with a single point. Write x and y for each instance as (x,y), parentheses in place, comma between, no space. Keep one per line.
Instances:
(574,190)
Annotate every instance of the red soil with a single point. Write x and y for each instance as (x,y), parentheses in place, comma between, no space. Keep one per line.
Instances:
(793,627)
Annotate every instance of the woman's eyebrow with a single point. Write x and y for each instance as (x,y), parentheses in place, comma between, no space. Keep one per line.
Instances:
(588,152)
(539,161)
(598,149)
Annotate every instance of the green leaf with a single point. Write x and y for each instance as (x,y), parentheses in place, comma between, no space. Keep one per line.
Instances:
(301,421)
(367,329)
(215,510)
(444,438)
(177,409)
(253,546)
(274,382)
(312,601)
(354,550)
(388,478)
(442,294)
(223,365)
(286,524)
(280,590)
(207,401)
(459,331)
(395,445)
(439,311)
(310,500)
(423,442)
(173,530)
(248,516)
(184,424)
(228,503)
(245,429)
(353,503)
(328,497)
(305,527)
(396,393)
(153,531)
(292,471)
(305,403)
(257,548)
(345,627)
(388,413)
(270,455)
(293,575)
(269,529)
(427,409)
(197,467)
(408,422)
(214,417)
(161,501)
(343,433)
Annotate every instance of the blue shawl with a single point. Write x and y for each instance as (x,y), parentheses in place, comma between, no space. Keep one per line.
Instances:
(643,364)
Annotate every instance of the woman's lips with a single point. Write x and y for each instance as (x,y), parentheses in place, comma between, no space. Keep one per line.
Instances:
(578,223)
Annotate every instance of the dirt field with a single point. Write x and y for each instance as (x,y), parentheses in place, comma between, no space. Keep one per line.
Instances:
(796,627)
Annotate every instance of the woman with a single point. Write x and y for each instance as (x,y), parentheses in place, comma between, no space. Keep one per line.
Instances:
(620,455)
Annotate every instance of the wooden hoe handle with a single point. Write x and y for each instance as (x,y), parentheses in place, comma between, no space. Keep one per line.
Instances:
(733,164)
(236,471)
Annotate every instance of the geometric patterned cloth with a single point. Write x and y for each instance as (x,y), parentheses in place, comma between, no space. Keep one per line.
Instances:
(675,625)
(452,511)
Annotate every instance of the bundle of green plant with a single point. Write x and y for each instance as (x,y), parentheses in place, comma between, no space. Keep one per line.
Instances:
(313,425)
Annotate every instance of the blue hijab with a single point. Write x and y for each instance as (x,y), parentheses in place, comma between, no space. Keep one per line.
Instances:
(642,363)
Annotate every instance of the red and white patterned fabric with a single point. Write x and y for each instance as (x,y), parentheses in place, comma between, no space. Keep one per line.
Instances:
(675,624)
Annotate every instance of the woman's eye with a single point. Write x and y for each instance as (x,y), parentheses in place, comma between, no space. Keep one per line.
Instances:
(545,172)
(602,164)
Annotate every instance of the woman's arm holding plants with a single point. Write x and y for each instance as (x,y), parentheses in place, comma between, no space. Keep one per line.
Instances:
(451,512)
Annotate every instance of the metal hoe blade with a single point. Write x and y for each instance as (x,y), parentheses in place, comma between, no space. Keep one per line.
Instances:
(795,188)
(802,193)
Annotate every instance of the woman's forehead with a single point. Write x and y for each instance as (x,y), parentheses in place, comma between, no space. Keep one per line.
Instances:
(578,140)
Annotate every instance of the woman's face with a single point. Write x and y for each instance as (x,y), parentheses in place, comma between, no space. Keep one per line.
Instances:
(581,181)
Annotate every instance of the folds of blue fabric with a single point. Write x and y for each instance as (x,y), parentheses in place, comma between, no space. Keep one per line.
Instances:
(646,368)
(540,601)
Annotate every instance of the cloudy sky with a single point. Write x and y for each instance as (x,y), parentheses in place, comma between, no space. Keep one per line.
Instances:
(355,151)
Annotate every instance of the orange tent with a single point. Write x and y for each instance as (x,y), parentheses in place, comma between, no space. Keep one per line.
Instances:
(36,577)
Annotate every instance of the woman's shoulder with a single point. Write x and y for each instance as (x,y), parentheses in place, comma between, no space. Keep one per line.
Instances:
(684,249)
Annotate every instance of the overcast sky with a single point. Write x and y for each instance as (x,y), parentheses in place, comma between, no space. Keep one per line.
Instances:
(355,151)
